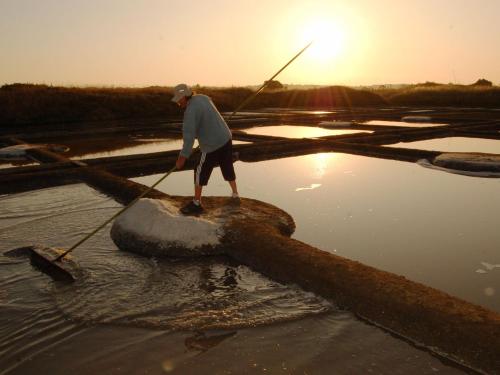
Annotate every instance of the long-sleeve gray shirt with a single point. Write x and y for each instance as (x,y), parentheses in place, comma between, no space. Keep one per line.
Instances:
(203,121)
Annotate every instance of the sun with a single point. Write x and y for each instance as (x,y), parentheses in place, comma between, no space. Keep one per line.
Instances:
(340,42)
(328,38)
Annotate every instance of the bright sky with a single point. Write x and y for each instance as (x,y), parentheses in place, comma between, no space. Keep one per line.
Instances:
(240,42)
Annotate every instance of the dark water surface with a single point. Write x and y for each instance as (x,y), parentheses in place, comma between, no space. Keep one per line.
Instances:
(135,315)
(121,144)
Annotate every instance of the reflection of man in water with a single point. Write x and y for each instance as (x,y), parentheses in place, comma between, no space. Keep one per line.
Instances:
(201,342)
(203,121)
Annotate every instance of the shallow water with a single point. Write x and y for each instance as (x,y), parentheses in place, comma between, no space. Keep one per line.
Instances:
(305,111)
(141,147)
(124,146)
(455,144)
(311,112)
(201,293)
(432,227)
(292,131)
(131,314)
(121,144)
(403,123)
(8,164)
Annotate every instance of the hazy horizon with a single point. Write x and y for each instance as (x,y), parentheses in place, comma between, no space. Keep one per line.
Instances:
(251,86)
(124,43)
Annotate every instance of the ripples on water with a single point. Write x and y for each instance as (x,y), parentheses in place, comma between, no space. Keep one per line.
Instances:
(130,289)
(190,295)
(120,288)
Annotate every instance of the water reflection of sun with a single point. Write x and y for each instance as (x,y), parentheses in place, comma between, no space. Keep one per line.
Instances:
(322,163)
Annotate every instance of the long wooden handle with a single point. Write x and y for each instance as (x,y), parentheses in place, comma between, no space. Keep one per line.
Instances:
(250,98)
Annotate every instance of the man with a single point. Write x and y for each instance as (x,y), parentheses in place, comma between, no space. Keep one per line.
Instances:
(203,121)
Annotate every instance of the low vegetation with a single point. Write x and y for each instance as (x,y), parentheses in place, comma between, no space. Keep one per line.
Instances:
(431,94)
(28,104)
(36,104)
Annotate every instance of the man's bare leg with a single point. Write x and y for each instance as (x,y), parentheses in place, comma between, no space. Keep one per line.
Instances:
(235,198)
(197,193)
(234,188)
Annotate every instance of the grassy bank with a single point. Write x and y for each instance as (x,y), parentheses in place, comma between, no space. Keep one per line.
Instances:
(443,96)
(39,104)
(25,104)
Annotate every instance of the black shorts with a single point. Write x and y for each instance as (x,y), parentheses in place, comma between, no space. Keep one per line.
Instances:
(222,157)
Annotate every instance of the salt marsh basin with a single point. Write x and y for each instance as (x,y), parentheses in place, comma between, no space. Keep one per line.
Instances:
(431,227)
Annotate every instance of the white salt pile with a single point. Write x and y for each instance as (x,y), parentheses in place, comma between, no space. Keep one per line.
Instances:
(17,152)
(469,164)
(472,159)
(156,227)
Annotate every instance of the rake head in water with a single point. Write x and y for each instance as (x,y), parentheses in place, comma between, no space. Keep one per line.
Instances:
(43,258)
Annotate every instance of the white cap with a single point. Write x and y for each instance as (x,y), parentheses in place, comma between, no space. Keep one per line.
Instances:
(181,91)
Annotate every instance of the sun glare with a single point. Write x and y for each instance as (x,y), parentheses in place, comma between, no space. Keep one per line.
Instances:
(339,43)
(327,37)
(321,163)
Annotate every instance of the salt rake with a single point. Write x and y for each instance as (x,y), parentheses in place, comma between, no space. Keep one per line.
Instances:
(53,261)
